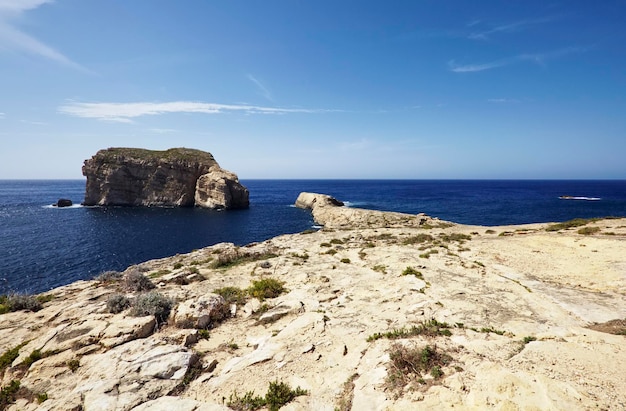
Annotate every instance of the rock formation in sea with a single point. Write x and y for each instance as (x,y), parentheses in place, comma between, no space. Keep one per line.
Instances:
(175,177)
(375,311)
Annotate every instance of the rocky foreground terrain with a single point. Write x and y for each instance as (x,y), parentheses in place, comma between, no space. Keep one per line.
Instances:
(377,311)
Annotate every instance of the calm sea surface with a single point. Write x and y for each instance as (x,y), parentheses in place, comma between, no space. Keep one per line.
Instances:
(42,247)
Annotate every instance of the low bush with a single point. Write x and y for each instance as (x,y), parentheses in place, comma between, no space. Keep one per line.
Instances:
(266,288)
(17,302)
(589,230)
(117,303)
(232,295)
(108,277)
(9,356)
(418,239)
(413,271)
(278,394)
(409,363)
(136,281)
(430,328)
(152,303)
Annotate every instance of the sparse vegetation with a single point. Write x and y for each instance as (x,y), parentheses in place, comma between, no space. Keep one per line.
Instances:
(278,394)
(266,288)
(576,222)
(117,303)
(152,303)
(9,356)
(380,268)
(345,260)
(430,328)
(409,364)
(490,231)
(8,393)
(332,251)
(73,364)
(232,295)
(109,277)
(17,302)
(136,281)
(41,397)
(589,230)
(412,271)
(231,258)
(347,395)
(418,239)
(336,241)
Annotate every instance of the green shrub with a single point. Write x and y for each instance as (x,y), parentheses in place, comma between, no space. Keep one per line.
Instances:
(232,295)
(418,239)
(41,397)
(73,364)
(430,328)
(278,394)
(266,288)
(413,271)
(409,363)
(17,302)
(380,268)
(8,393)
(117,303)
(589,230)
(576,222)
(9,356)
(345,260)
(336,241)
(152,303)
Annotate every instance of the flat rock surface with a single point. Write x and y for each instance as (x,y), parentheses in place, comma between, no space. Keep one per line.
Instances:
(520,303)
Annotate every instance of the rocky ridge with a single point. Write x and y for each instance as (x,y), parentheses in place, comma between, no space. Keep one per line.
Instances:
(175,177)
(507,313)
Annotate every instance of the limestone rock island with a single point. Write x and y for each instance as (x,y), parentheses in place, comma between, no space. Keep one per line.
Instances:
(176,177)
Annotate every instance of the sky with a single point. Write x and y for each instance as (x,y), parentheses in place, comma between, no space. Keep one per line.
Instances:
(289,89)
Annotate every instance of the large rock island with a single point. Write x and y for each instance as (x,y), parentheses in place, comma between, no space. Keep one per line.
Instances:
(176,177)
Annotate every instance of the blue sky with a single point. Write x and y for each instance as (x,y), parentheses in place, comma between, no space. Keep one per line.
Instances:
(318,89)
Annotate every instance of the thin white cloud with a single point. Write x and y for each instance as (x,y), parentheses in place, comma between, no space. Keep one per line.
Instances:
(2,115)
(163,130)
(506,28)
(125,112)
(14,39)
(262,89)
(502,100)
(358,145)
(538,58)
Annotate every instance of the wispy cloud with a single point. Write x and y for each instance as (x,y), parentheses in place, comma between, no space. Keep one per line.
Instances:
(13,38)
(505,28)
(2,116)
(125,112)
(358,145)
(163,130)
(537,58)
(262,89)
(502,100)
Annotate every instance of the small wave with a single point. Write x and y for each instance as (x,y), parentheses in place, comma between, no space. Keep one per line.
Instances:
(60,208)
(580,198)
(317,227)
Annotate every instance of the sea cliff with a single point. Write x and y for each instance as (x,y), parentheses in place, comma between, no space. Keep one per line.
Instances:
(175,177)
(374,315)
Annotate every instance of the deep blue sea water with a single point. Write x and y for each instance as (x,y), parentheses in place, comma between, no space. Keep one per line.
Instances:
(42,247)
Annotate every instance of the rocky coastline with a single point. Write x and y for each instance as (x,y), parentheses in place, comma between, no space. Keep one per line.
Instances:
(375,311)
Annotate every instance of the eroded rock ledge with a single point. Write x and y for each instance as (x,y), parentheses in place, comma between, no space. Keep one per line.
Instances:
(331,213)
(176,177)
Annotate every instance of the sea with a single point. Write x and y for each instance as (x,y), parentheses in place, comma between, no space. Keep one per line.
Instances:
(43,247)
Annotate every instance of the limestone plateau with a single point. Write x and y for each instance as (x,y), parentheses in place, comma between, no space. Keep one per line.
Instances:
(180,177)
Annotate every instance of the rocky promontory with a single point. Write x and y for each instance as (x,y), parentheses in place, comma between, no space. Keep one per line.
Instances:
(175,177)
(378,315)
